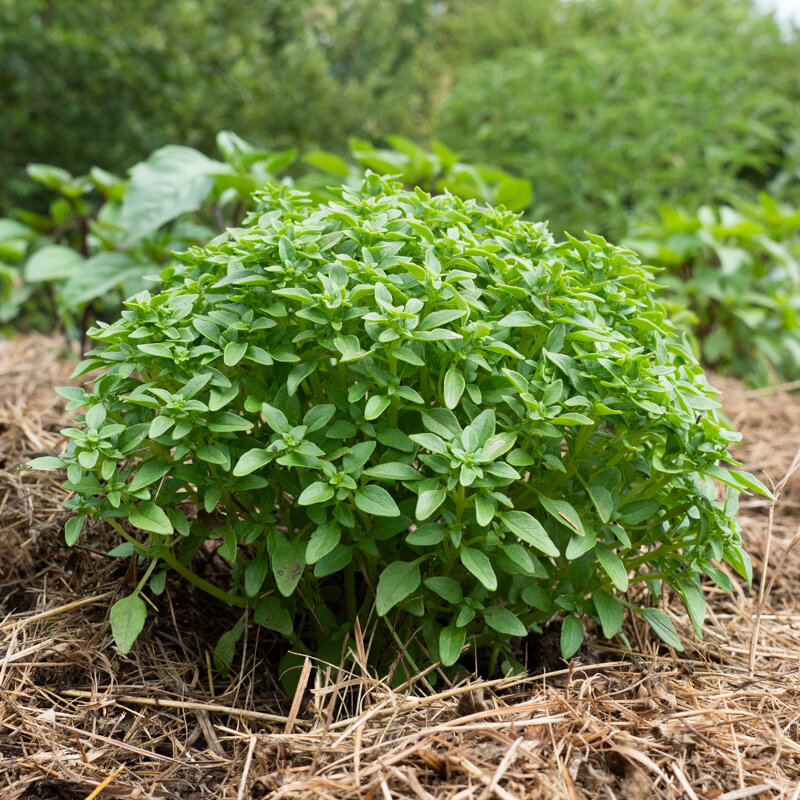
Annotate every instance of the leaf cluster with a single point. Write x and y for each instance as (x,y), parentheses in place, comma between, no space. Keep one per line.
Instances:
(415,407)
(736,269)
(103,236)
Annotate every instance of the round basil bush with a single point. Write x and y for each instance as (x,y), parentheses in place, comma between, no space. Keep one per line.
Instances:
(417,411)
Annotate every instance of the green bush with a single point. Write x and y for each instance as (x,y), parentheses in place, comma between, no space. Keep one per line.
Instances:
(737,270)
(627,104)
(419,406)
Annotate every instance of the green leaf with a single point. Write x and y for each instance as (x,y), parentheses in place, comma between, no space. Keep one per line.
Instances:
(127,617)
(234,352)
(150,517)
(610,611)
(430,441)
(275,418)
(318,417)
(51,462)
(428,502)
(53,262)
(211,454)
(446,588)
(251,461)
(504,621)
(255,573)
(451,643)
(173,181)
(454,384)
(317,492)
(272,615)
(393,471)
(603,501)
(72,530)
(298,375)
(571,636)
(377,501)
(518,319)
(328,162)
(322,541)
(288,563)
(661,624)
(149,472)
(530,530)
(396,583)
(480,566)
(695,602)
(563,512)
(613,566)
(376,405)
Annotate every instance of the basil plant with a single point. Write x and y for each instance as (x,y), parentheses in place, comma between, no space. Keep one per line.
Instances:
(419,412)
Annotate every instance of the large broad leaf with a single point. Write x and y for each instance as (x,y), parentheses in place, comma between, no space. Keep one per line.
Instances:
(173,181)
(53,262)
(100,274)
(662,625)
(395,584)
(127,619)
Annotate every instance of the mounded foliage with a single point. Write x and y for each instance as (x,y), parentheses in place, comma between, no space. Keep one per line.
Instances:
(420,407)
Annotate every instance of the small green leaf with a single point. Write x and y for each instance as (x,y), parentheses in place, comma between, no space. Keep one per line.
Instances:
(127,617)
(661,624)
(564,513)
(234,353)
(377,501)
(393,471)
(695,602)
(212,455)
(150,517)
(602,500)
(504,621)
(255,573)
(610,611)
(322,541)
(428,502)
(446,588)
(613,566)
(454,384)
(298,375)
(275,418)
(530,530)
(72,530)
(376,405)
(288,563)
(518,319)
(571,636)
(251,461)
(149,472)
(396,583)
(317,492)
(271,614)
(451,643)
(480,566)
(48,462)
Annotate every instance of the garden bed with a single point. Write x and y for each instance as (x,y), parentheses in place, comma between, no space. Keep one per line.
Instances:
(78,720)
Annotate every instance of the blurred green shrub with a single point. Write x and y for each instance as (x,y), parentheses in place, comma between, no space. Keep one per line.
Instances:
(737,269)
(107,83)
(102,236)
(625,104)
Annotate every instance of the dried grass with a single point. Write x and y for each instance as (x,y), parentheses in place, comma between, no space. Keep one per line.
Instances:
(79,721)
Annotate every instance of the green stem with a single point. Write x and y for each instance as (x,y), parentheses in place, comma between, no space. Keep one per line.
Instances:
(169,558)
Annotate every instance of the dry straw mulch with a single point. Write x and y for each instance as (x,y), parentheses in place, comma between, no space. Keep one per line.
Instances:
(79,721)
